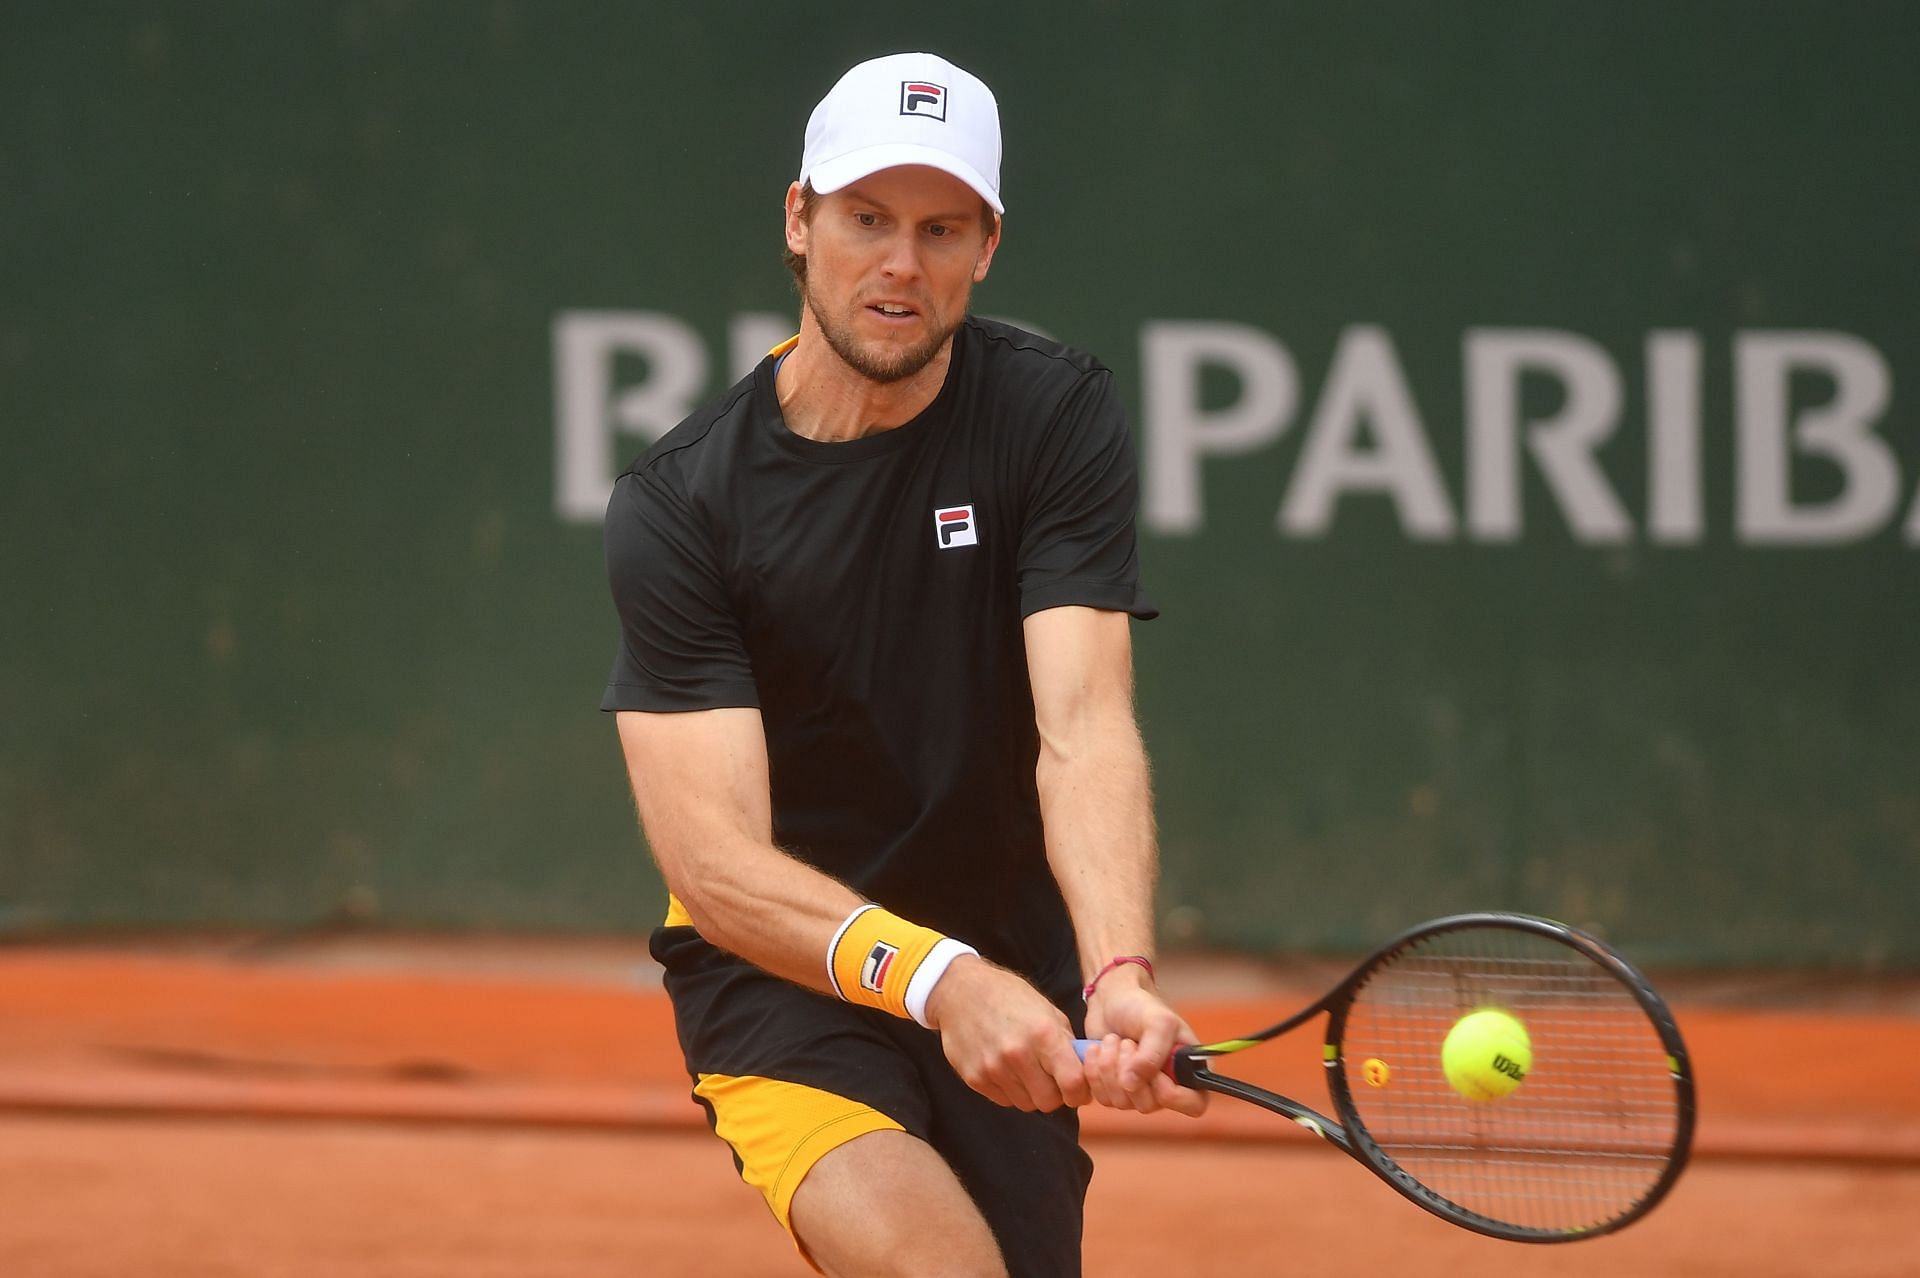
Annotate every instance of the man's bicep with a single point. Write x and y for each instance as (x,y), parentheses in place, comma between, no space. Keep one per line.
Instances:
(699,781)
(1080,664)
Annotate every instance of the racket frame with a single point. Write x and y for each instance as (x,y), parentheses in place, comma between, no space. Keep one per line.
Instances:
(1348,1133)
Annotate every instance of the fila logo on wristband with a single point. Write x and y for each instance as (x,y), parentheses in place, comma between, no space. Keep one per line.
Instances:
(873,972)
(895,976)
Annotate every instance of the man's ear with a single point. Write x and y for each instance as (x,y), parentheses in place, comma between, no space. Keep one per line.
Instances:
(982,263)
(796,225)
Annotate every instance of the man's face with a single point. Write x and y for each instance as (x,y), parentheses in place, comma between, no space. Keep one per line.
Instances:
(891,261)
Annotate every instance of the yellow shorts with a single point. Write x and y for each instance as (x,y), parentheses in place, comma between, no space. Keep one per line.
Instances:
(779,1130)
(787,1076)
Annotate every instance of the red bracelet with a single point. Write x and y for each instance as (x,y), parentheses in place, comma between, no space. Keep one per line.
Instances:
(1138,959)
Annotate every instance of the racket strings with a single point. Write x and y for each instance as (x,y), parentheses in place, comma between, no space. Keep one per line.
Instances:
(1587,1135)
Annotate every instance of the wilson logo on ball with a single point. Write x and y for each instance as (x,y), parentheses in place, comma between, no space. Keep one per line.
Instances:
(1504,1064)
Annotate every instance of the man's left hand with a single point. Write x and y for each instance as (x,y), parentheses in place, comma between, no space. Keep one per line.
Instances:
(1135,1033)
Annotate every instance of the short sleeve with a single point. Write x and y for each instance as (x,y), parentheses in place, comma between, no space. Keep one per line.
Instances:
(680,644)
(1077,545)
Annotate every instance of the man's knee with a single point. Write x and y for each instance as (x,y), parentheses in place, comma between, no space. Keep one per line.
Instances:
(886,1204)
(900,1249)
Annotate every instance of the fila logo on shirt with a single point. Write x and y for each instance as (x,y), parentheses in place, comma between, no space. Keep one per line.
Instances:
(954,527)
(873,972)
(917,97)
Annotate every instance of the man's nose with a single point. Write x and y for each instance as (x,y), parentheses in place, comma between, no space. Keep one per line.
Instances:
(902,260)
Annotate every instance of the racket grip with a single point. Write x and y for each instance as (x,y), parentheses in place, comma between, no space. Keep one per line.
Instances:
(1080,1046)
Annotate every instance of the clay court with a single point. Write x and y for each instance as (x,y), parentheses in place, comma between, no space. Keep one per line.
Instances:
(516,1109)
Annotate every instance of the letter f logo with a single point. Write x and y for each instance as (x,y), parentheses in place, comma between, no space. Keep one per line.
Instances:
(917,97)
(953,527)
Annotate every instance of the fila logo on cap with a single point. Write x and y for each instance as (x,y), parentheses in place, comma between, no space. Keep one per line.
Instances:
(917,97)
(873,972)
(953,527)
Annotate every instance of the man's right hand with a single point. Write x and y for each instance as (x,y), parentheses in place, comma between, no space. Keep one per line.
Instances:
(1005,1039)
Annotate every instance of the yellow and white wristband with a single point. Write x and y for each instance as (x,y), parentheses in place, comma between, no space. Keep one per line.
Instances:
(879,959)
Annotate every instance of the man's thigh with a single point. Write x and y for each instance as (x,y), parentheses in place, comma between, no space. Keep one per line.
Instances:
(1025,1172)
(786,1075)
(886,1203)
(789,1077)
(918,1167)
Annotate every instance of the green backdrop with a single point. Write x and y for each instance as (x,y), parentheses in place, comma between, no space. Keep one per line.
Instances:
(1600,319)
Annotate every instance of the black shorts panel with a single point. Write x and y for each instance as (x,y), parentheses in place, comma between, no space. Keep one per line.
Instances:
(1026,1172)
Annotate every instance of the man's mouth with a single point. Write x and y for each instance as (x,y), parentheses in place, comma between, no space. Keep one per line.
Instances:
(892,310)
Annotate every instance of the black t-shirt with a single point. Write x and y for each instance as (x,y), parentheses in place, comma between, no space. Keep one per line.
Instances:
(867,597)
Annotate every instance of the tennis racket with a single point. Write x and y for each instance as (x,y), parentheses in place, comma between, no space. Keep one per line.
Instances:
(1589,1141)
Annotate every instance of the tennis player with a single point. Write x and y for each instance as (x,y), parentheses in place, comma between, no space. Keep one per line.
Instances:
(874,689)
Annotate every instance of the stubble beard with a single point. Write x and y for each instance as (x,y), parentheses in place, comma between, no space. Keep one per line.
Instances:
(885,365)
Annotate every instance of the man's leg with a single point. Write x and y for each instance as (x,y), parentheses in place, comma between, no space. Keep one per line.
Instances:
(885,1205)
(1025,1173)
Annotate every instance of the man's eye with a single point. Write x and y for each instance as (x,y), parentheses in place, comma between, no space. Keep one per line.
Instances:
(866,219)
(938,230)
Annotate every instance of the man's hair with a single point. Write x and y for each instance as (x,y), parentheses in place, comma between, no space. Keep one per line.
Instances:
(797,262)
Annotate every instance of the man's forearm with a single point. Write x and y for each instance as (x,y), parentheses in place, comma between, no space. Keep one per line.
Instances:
(1096,802)
(700,784)
(753,900)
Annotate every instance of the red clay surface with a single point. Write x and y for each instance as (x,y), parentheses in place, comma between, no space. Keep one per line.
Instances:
(492,1109)
(90,1197)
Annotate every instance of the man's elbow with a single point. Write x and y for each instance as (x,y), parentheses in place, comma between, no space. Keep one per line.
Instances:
(704,898)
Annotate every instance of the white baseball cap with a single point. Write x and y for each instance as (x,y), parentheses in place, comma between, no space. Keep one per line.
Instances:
(905,108)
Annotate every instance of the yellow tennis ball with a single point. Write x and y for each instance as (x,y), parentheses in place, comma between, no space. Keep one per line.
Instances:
(1375,1071)
(1487,1054)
